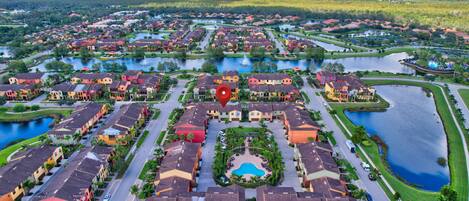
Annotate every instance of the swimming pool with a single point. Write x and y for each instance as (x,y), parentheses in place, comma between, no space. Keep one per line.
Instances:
(248,168)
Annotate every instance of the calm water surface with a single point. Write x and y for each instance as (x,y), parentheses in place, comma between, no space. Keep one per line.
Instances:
(413,132)
(389,63)
(11,131)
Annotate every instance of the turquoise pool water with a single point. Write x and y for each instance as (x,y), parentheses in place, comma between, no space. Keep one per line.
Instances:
(248,168)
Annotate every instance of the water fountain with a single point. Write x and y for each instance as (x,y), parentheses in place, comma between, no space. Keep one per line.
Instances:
(245,61)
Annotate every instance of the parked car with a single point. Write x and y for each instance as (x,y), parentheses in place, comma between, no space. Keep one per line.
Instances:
(368,197)
(107,197)
(350,145)
(365,166)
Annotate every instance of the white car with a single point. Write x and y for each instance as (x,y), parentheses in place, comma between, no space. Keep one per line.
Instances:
(107,197)
(365,166)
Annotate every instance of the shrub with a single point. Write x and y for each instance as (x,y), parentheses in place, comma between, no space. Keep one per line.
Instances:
(19,108)
(35,107)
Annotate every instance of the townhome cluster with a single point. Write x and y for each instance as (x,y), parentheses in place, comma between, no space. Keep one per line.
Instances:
(80,178)
(23,86)
(207,85)
(344,88)
(177,178)
(91,86)
(296,43)
(181,39)
(297,121)
(272,86)
(262,86)
(234,39)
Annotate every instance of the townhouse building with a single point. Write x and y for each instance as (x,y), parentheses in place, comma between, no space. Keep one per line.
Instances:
(178,170)
(28,78)
(80,178)
(195,118)
(92,78)
(206,86)
(268,193)
(29,166)
(348,88)
(126,122)
(81,92)
(19,92)
(73,127)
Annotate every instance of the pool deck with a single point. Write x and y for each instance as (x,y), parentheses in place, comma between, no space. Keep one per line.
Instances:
(247,158)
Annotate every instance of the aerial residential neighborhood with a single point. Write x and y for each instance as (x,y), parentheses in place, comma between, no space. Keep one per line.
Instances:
(313,100)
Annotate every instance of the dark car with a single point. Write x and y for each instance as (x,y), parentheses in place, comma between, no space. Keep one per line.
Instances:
(368,197)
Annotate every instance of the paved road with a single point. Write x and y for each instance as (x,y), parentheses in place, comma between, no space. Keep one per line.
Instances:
(204,43)
(318,103)
(278,44)
(120,189)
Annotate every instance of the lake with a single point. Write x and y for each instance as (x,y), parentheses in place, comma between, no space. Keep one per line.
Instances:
(413,132)
(389,63)
(11,131)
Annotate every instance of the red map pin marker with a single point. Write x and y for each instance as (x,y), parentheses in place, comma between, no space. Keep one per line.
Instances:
(223,94)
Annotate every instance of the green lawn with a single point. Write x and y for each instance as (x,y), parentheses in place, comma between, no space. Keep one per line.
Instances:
(465,96)
(456,156)
(26,116)
(4,153)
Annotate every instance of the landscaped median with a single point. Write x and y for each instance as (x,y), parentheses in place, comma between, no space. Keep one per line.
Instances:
(465,96)
(456,162)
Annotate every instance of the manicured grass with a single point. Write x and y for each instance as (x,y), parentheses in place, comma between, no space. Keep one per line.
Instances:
(305,97)
(156,114)
(150,165)
(142,138)
(26,116)
(456,162)
(465,96)
(160,137)
(4,153)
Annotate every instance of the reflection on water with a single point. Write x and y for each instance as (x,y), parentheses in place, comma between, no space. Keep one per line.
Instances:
(389,63)
(11,131)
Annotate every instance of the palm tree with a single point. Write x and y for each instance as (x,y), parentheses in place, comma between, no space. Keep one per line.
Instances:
(134,189)
(182,137)
(190,137)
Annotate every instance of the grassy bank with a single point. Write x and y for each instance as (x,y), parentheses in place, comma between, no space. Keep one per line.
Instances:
(465,96)
(8,116)
(4,153)
(456,158)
